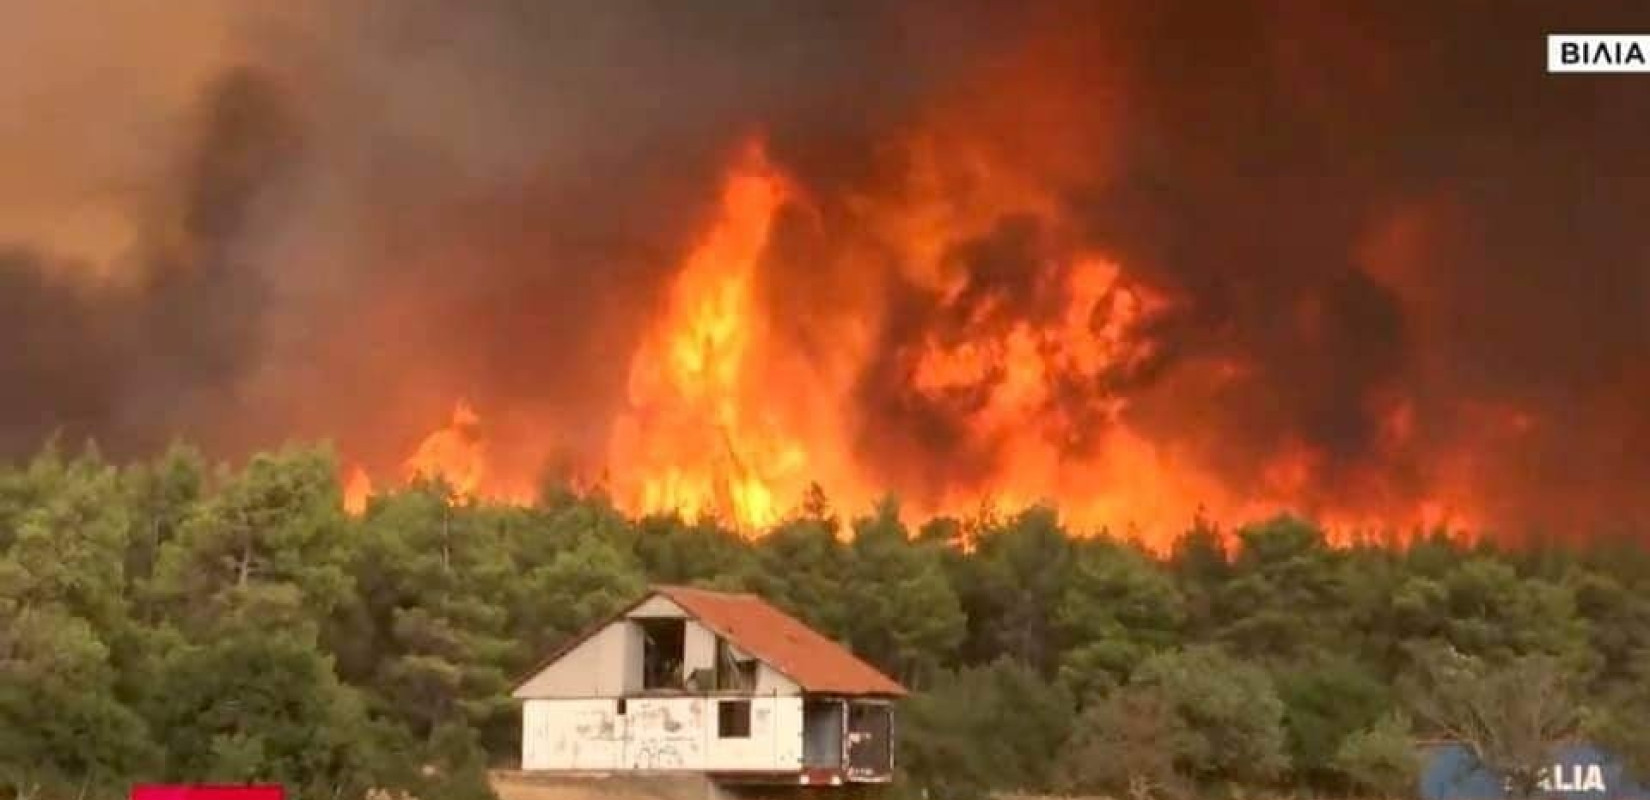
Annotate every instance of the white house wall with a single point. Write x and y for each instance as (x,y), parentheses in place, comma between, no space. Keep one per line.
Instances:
(771,681)
(659,733)
(607,664)
(698,648)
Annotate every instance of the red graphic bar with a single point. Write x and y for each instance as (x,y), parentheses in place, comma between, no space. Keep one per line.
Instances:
(206,791)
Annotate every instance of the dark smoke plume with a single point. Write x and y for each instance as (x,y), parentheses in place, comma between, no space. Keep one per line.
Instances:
(132,364)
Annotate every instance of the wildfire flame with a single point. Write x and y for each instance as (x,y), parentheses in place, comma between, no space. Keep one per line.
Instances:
(455,454)
(974,256)
(357,490)
(689,441)
(724,416)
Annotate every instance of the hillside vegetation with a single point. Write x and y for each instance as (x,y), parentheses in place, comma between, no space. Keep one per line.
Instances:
(166,621)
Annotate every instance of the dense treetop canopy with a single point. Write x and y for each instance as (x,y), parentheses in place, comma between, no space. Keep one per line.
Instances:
(165,620)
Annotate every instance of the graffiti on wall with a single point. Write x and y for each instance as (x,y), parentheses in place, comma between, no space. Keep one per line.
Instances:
(596,725)
(658,755)
(658,733)
(664,735)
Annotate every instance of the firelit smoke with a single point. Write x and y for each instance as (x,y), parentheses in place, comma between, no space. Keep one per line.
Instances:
(1141,261)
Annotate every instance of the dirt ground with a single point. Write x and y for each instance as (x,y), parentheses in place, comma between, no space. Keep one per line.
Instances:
(512,785)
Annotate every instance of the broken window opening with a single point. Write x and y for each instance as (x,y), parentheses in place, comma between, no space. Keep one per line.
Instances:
(733,719)
(662,648)
(822,727)
(870,740)
(702,679)
(733,674)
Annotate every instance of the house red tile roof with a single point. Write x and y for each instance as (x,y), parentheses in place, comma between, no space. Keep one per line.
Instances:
(815,662)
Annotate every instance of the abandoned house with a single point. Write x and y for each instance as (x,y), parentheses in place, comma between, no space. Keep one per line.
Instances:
(707,682)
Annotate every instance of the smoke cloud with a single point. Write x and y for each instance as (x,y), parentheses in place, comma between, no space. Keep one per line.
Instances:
(1389,260)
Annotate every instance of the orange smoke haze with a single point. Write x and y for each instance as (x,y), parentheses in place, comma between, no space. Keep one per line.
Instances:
(1145,261)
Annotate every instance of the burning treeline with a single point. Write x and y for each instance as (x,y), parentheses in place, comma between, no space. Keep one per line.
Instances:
(712,259)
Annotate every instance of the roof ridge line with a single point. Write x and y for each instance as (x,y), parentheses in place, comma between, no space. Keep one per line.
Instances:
(678,587)
(790,628)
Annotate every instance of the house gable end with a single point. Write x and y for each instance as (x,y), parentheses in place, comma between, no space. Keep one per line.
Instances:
(597,665)
(607,659)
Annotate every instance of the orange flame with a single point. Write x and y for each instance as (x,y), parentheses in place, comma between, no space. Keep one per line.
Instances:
(688,441)
(724,416)
(455,454)
(357,490)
